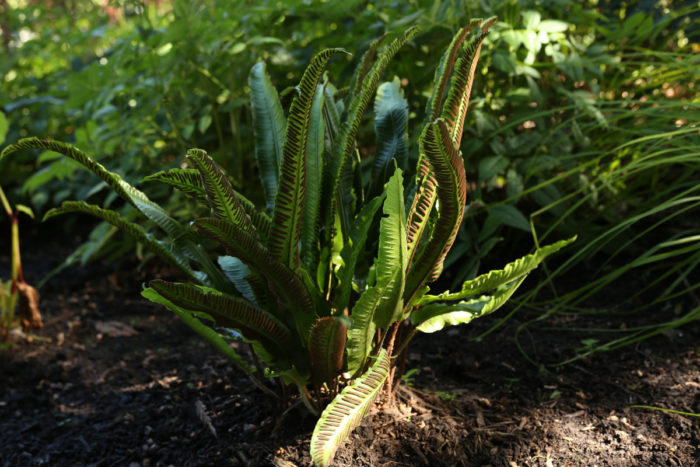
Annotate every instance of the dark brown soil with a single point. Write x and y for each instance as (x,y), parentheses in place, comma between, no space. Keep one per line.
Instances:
(112,379)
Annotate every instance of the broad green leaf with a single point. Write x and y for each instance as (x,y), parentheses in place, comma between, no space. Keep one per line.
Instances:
(289,202)
(353,249)
(346,411)
(434,317)
(508,214)
(531,19)
(326,348)
(268,129)
(314,181)
(497,278)
(390,126)
(492,165)
(381,304)
(392,257)
(552,25)
(237,272)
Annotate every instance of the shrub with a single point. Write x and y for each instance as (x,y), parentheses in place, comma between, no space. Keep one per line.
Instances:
(299,280)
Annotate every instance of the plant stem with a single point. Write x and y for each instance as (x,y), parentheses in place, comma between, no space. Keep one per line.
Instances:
(389,349)
(307,400)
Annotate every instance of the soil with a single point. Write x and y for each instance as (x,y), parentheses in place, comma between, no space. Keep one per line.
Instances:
(114,380)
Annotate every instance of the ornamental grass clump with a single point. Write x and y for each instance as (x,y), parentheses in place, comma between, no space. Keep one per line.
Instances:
(329,281)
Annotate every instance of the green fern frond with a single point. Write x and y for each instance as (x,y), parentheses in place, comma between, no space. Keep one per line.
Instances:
(345,143)
(326,348)
(314,183)
(288,287)
(381,305)
(497,278)
(448,167)
(230,312)
(180,236)
(346,411)
(457,101)
(289,202)
(161,249)
(187,181)
(222,199)
(268,129)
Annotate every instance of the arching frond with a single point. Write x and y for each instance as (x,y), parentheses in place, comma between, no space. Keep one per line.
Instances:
(346,411)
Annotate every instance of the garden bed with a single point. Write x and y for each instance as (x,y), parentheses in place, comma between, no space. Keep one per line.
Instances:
(113,379)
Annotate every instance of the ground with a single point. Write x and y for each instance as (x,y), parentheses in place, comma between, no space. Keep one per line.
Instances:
(112,379)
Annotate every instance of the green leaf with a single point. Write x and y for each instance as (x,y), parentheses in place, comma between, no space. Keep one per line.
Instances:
(505,62)
(163,250)
(189,181)
(289,202)
(314,181)
(392,260)
(448,166)
(181,237)
(204,123)
(457,101)
(493,165)
(345,143)
(531,19)
(381,305)
(354,248)
(390,126)
(186,180)
(222,199)
(25,209)
(4,126)
(231,312)
(434,317)
(326,348)
(200,328)
(444,71)
(453,112)
(507,214)
(237,272)
(552,25)
(268,129)
(346,411)
(290,288)
(494,279)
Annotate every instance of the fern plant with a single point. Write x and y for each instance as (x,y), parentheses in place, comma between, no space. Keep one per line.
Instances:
(327,282)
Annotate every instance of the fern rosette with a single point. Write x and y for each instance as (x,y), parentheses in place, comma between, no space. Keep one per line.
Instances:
(330,276)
